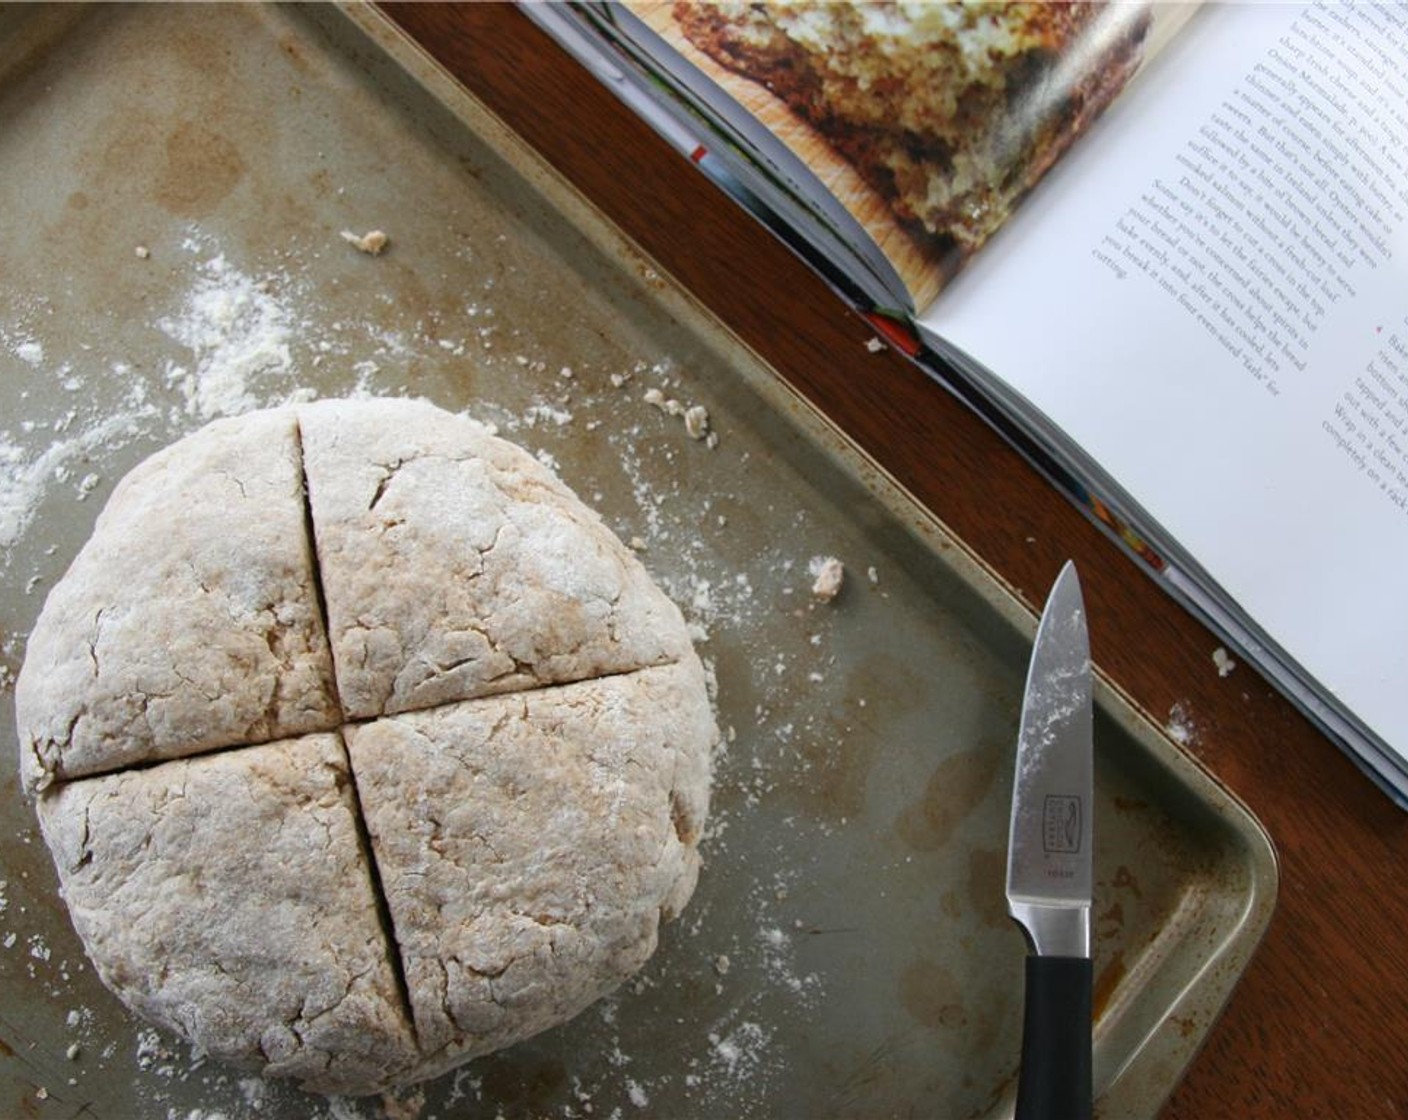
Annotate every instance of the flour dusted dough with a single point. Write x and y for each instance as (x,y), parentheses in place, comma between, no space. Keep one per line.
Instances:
(226,898)
(361,876)
(189,621)
(570,821)
(514,583)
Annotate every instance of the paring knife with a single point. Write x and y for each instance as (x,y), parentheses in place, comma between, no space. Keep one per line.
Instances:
(1049,861)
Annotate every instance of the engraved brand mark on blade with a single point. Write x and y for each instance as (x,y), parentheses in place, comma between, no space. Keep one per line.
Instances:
(1049,845)
(1061,830)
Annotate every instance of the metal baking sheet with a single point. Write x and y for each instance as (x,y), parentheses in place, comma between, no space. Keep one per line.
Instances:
(176,183)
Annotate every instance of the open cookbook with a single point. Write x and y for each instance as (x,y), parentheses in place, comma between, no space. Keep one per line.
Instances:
(1162,247)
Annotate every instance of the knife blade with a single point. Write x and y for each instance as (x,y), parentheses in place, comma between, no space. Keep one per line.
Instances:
(1049,861)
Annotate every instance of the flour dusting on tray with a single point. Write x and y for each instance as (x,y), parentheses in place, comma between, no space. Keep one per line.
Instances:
(238,334)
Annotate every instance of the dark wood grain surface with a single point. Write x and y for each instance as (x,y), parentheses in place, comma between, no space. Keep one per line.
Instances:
(1319,1025)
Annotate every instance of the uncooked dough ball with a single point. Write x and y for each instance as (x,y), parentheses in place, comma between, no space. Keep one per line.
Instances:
(362,747)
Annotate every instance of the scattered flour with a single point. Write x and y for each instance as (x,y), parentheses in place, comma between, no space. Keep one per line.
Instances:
(238,335)
(1180,726)
(25,477)
(738,1055)
(31,352)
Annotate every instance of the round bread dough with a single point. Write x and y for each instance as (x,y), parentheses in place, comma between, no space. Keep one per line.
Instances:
(362,747)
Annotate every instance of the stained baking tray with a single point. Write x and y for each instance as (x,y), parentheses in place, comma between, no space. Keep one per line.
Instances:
(176,182)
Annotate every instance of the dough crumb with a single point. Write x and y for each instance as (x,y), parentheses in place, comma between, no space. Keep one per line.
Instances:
(1223,660)
(874,345)
(696,421)
(695,416)
(143,253)
(409,1107)
(371,242)
(828,573)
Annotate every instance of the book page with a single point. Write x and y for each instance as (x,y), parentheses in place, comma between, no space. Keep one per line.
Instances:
(1211,298)
(928,123)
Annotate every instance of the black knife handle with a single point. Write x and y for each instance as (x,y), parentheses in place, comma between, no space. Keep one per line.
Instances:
(1055,1079)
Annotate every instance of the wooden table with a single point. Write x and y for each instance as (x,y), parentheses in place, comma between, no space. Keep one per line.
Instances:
(1319,1025)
